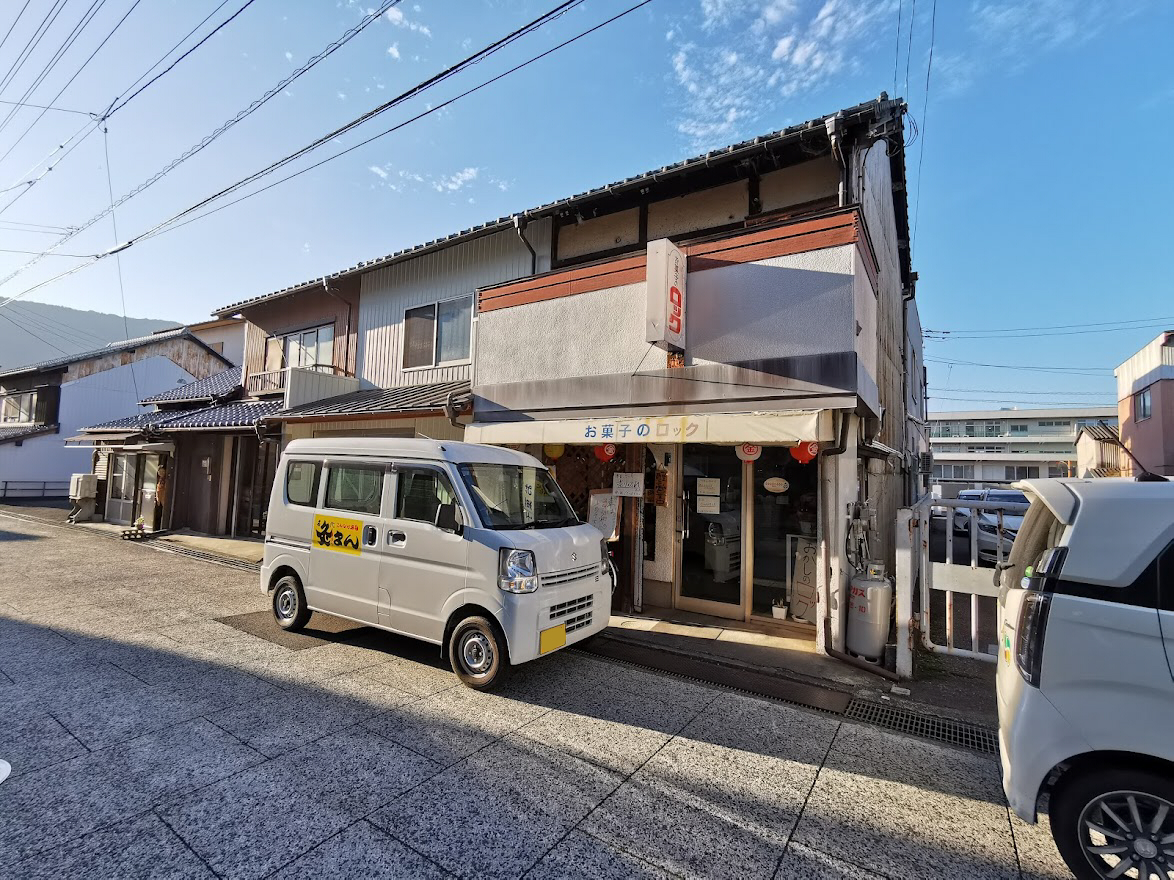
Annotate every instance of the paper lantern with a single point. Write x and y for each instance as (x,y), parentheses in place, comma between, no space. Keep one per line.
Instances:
(554,451)
(805,452)
(606,452)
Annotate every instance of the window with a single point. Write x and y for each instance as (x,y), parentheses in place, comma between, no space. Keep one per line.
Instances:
(510,496)
(355,487)
(439,333)
(1142,406)
(301,482)
(1057,470)
(953,471)
(1021,472)
(1061,423)
(18,407)
(1019,429)
(313,348)
(420,492)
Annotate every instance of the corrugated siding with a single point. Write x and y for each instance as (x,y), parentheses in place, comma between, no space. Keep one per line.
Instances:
(306,386)
(388,292)
(435,428)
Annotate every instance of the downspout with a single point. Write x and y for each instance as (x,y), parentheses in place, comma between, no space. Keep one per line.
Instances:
(346,355)
(520,226)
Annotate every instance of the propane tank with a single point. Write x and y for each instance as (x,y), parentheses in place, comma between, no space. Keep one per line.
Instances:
(870,606)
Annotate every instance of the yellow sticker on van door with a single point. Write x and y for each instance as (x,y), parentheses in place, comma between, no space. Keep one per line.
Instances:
(340,535)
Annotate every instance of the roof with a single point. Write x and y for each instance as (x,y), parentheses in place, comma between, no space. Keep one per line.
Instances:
(13,433)
(382,401)
(1059,412)
(139,422)
(739,152)
(112,348)
(1104,433)
(436,450)
(228,415)
(217,385)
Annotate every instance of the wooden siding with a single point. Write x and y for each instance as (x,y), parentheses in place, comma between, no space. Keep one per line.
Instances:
(453,272)
(741,247)
(300,311)
(190,356)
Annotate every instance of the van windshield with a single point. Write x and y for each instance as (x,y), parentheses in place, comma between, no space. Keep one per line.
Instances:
(510,496)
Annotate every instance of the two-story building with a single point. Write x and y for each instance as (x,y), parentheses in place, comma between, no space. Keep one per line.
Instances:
(995,447)
(1145,405)
(43,404)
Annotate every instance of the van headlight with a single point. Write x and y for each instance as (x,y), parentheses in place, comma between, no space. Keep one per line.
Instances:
(604,558)
(517,571)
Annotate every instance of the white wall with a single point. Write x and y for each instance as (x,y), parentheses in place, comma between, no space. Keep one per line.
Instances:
(98,398)
(230,338)
(455,271)
(306,386)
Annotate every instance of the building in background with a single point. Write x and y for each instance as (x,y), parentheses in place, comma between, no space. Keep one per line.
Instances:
(43,404)
(996,447)
(1098,452)
(1145,405)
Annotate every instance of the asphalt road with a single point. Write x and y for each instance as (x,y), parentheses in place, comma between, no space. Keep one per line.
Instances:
(149,739)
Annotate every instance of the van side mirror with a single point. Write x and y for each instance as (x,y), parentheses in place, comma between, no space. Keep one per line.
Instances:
(448,517)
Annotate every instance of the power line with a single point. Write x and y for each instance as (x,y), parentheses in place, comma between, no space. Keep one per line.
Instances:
(1058,405)
(957,338)
(1056,326)
(33,42)
(909,48)
(43,107)
(31,333)
(68,332)
(166,225)
(330,49)
(897,50)
(117,256)
(1093,372)
(8,32)
(71,256)
(933,21)
(1018,391)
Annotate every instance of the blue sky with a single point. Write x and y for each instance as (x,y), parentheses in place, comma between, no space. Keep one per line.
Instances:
(1042,197)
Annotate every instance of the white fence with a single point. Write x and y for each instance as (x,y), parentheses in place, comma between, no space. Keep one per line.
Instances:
(34,488)
(950,603)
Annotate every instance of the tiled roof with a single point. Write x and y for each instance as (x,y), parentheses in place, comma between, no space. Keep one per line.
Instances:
(228,415)
(733,153)
(379,401)
(141,421)
(112,348)
(217,385)
(13,433)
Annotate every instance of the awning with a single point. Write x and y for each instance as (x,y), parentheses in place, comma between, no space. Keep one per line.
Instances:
(786,428)
(96,439)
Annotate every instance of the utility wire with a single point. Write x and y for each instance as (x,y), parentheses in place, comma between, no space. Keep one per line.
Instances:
(897,51)
(1055,326)
(1072,404)
(118,256)
(1018,391)
(71,256)
(33,42)
(31,333)
(8,32)
(43,107)
(1039,335)
(167,224)
(1091,372)
(909,48)
(933,21)
(69,332)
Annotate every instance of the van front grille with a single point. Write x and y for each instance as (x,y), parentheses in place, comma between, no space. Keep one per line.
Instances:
(578,621)
(571,607)
(569,575)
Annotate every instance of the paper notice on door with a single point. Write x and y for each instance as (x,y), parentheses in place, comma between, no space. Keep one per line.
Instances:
(708,504)
(603,512)
(803,580)
(628,485)
(709,486)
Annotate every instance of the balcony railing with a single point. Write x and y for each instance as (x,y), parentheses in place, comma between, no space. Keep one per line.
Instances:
(275,381)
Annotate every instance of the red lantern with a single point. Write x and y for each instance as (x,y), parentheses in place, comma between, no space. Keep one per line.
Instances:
(805,452)
(606,452)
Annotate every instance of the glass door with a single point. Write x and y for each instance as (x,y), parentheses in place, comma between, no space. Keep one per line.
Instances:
(785,496)
(120,501)
(711,532)
(149,491)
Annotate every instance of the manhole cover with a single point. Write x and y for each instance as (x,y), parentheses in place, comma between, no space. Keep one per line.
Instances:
(5,769)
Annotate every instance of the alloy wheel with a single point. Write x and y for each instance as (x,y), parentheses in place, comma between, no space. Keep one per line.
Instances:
(1129,834)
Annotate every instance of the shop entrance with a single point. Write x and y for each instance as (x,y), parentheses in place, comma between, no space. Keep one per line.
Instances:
(711,532)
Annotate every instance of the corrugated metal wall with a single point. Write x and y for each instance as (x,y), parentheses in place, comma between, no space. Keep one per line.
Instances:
(434,427)
(455,271)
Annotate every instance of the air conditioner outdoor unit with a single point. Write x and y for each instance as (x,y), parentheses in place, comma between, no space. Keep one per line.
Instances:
(83,486)
(925,463)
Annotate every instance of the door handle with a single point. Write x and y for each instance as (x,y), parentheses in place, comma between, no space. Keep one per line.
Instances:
(397,539)
(370,536)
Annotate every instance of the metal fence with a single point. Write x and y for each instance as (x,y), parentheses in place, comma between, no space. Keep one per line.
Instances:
(946,594)
(34,488)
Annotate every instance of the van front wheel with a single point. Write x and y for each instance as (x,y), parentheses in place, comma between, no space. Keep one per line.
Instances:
(289,604)
(478,654)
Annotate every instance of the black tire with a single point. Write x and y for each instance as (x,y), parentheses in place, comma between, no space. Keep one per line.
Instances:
(288,603)
(478,655)
(1072,797)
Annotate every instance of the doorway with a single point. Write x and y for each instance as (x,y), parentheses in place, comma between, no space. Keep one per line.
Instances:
(711,532)
(784,496)
(121,487)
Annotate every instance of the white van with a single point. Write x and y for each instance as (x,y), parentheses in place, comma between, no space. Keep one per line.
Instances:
(1086,672)
(473,548)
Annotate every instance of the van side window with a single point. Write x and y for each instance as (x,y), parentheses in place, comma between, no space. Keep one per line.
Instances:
(420,492)
(301,482)
(356,488)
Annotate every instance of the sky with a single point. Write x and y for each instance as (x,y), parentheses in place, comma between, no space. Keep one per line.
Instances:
(1038,185)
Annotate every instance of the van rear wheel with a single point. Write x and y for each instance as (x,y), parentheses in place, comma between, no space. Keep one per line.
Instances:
(289,604)
(477,654)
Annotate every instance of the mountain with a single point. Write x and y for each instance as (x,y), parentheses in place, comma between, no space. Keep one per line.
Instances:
(31,332)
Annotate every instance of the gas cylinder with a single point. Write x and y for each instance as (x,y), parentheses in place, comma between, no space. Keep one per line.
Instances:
(870,608)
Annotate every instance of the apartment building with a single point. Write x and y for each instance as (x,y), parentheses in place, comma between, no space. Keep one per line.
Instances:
(996,447)
(1145,405)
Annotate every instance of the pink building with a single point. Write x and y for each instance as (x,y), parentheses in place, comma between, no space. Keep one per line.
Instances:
(1145,405)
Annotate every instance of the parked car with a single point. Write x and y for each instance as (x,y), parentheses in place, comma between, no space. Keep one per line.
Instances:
(1085,682)
(994,538)
(472,548)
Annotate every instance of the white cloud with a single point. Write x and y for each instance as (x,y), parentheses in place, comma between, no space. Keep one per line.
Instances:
(396,16)
(377,171)
(341,96)
(289,56)
(455,182)
(393,51)
(1018,31)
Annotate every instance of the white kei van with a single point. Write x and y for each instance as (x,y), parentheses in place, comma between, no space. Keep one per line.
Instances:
(472,548)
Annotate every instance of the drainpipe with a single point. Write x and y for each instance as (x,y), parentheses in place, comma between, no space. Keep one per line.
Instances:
(346,356)
(452,411)
(520,226)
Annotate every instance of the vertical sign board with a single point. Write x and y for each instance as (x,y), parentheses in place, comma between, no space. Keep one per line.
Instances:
(603,512)
(804,585)
(665,314)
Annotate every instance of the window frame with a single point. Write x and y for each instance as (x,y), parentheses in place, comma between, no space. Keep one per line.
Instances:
(1139,396)
(402,469)
(18,399)
(435,363)
(284,339)
(316,493)
(332,466)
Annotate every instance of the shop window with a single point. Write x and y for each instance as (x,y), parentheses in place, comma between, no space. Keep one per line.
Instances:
(439,333)
(420,492)
(355,488)
(301,482)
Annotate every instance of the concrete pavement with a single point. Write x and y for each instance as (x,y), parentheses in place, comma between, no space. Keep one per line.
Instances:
(149,739)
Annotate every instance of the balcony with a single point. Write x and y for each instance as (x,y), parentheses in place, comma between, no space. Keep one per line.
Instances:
(273,382)
(298,385)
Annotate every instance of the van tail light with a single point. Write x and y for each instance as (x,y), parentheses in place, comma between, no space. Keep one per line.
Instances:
(1029,634)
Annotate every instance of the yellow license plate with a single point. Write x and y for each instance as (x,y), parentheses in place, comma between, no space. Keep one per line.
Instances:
(550,639)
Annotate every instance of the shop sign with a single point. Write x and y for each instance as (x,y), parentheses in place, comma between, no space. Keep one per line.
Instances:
(338,534)
(776,485)
(628,485)
(665,313)
(669,429)
(749,451)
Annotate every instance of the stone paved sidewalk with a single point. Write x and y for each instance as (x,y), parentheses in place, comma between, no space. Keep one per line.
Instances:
(148,739)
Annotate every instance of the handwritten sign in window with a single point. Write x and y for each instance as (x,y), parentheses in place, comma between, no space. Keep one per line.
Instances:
(628,485)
